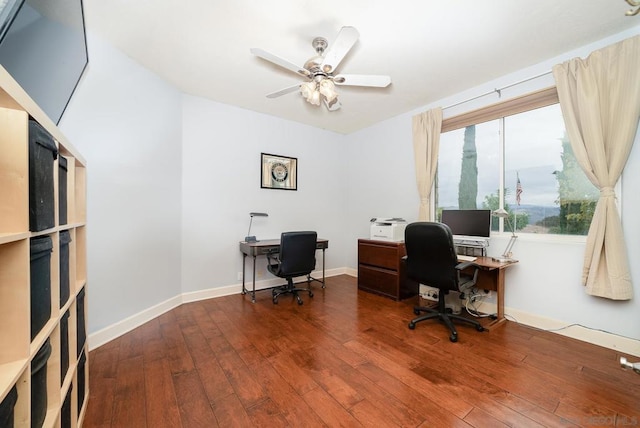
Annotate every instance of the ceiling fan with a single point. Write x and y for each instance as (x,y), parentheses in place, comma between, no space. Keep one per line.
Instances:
(320,70)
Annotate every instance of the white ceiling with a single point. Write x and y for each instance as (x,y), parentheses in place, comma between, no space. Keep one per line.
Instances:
(431,49)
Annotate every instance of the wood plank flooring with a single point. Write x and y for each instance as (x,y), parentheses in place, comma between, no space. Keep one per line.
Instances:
(346,358)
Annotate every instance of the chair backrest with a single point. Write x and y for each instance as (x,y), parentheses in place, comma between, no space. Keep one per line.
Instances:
(297,253)
(431,255)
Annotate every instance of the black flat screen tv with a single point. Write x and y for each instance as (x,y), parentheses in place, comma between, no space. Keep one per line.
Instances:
(468,223)
(43,46)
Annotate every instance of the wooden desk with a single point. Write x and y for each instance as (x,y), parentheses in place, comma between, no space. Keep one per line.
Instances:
(261,248)
(491,277)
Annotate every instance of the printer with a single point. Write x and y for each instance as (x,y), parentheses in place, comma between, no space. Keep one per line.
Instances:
(388,229)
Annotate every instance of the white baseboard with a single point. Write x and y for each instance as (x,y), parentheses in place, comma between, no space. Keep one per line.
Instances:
(116,330)
(113,331)
(596,337)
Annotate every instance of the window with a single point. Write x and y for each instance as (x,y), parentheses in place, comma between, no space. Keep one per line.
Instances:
(521,162)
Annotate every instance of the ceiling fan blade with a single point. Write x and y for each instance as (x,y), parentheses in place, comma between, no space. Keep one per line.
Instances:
(279,61)
(377,81)
(347,37)
(284,91)
(332,106)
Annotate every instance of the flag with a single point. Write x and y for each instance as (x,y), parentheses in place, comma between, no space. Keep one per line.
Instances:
(518,190)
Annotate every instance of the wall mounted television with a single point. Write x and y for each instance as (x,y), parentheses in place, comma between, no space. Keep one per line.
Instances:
(43,46)
(469,224)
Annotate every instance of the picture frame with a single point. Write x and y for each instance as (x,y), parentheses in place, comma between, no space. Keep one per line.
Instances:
(278,172)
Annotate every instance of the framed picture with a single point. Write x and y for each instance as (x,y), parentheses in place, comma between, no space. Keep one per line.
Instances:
(278,172)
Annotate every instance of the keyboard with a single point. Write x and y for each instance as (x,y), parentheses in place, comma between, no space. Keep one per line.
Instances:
(467,258)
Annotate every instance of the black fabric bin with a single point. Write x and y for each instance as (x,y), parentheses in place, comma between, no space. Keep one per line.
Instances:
(62,190)
(81,381)
(65,412)
(39,385)
(65,239)
(64,346)
(80,328)
(40,270)
(6,408)
(42,153)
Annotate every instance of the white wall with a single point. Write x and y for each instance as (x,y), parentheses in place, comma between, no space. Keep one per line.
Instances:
(546,282)
(126,122)
(221,185)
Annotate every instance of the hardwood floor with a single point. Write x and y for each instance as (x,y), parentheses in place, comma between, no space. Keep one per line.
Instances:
(347,358)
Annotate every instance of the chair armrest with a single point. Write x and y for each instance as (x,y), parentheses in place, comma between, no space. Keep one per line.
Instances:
(272,257)
(463,265)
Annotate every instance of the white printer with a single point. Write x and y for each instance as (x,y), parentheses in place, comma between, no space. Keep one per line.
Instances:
(388,229)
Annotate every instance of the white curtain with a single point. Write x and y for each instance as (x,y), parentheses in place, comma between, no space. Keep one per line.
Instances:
(600,101)
(426,143)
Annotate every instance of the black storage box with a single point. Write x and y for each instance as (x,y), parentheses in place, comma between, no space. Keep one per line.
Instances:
(81,381)
(65,239)
(40,269)
(65,412)
(80,328)
(39,385)
(64,346)
(6,408)
(42,153)
(62,190)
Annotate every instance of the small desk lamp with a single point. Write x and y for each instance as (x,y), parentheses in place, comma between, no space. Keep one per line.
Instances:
(250,238)
(506,255)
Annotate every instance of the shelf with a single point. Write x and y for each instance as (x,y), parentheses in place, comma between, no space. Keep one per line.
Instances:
(17,349)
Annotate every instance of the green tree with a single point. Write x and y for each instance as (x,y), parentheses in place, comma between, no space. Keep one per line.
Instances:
(468,186)
(492,202)
(577,196)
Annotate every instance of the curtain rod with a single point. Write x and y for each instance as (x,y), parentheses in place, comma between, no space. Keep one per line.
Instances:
(498,90)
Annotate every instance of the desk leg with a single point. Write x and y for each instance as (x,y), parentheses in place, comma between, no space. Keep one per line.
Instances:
(323,267)
(253,289)
(244,259)
(310,278)
(500,300)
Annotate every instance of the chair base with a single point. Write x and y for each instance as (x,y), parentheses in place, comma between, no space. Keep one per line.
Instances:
(442,314)
(290,288)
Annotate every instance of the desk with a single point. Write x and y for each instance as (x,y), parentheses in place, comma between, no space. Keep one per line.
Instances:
(491,277)
(261,248)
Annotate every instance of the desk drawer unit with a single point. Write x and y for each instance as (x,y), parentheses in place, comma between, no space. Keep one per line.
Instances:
(381,270)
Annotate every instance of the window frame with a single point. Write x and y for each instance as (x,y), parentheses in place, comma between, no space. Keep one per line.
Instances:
(523,103)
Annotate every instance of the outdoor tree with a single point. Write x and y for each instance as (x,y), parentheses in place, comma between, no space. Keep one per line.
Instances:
(468,186)
(577,196)
(492,202)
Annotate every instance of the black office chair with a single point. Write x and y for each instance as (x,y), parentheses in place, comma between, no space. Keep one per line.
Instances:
(296,257)
(431,260)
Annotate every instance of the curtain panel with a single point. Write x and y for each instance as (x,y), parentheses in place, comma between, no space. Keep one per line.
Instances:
(600,101)
(426,143)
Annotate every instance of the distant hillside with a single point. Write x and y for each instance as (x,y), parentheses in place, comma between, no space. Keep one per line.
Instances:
(536,212)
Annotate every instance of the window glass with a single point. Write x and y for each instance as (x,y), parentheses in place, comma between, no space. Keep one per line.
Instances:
(545,190)
(553,194)
(468,166)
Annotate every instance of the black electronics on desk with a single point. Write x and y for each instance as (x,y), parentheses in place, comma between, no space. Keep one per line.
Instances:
(470,229)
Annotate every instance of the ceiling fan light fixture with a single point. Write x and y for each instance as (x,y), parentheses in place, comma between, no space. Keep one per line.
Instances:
(315,98)
(328,90)
(307,89)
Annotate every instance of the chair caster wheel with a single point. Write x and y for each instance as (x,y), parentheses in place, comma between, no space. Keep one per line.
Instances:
(480,328)
(412,325)
(310,294)
(416,311)
(275,301)
(300,302)
(453,338)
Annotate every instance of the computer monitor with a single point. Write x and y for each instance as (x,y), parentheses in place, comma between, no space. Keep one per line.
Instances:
(468,224)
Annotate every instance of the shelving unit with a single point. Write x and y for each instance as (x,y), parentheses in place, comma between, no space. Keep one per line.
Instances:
(17,350)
